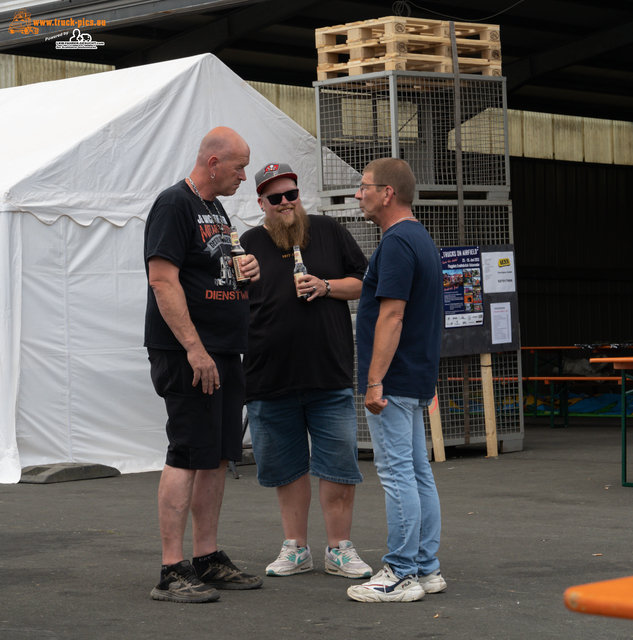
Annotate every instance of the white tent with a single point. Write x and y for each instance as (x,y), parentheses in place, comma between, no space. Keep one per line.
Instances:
(81,161)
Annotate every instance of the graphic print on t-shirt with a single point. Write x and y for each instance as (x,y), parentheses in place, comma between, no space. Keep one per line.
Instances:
(214,238)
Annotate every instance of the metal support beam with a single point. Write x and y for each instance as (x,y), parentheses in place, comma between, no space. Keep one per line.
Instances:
(113,13)
(576,52)
(217,35)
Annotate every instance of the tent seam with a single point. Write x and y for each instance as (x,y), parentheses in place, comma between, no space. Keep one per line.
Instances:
(67,338)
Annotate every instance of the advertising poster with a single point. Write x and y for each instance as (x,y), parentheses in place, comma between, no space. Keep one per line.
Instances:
(463,297)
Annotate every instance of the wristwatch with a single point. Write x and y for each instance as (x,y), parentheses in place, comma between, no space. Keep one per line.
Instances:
(328,289)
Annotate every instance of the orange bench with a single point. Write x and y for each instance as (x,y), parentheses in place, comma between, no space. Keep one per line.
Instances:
(554,379)
(607,598)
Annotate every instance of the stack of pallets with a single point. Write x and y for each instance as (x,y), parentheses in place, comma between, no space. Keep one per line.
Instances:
(406,44)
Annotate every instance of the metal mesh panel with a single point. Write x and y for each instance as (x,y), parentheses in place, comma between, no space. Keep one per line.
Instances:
(508,386)
(412,116)
(483,133)
(355,124)
(484,223)
(356,117)
(457,427)
(460,379)
(485,228)
(363,436)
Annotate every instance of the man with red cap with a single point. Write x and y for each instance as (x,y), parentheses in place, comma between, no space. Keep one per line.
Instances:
(299,371)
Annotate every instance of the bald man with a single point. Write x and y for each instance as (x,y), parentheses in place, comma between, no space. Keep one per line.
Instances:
(196,327)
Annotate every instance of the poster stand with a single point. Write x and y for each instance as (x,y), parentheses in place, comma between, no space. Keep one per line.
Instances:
(481,316)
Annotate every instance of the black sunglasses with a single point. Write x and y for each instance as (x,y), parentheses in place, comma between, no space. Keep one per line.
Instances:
(275,198)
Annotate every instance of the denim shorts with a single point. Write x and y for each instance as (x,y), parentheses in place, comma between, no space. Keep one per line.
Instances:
(202,428)
(284,430)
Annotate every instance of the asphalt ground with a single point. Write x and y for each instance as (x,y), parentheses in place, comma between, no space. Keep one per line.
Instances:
(79,559)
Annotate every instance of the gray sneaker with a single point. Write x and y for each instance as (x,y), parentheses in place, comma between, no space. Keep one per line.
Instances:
(345,561)
(179,583)
(385,586)
(433,582)
(291,560)
(218,571)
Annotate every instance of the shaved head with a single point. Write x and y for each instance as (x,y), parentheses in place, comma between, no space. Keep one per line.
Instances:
(220,142)
(222,158)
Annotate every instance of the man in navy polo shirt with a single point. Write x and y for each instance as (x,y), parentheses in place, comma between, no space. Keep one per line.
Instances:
(398,332)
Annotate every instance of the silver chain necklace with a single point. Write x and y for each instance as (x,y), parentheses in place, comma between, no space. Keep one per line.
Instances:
(401,219)
(214,216)
(405,218)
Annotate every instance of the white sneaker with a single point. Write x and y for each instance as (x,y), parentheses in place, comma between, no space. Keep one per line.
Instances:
(291,560)
(385,586)
(432,583)
(345,561)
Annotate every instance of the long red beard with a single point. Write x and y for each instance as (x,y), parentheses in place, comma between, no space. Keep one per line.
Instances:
(285,236)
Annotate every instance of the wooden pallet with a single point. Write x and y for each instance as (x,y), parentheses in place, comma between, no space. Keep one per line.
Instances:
(410,44)
(406,44)
(395,25)
(436,64)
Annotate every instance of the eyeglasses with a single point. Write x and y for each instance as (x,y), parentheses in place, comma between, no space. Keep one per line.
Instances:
(276,198)
(363,186)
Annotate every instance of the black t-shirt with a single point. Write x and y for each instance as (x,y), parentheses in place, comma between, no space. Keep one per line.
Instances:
(180,229)
(293,344)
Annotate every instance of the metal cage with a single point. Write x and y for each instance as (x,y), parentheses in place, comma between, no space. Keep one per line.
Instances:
(452,130)
(411,115)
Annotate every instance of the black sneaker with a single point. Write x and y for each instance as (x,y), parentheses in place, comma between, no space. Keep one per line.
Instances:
(179,583)
(218,571)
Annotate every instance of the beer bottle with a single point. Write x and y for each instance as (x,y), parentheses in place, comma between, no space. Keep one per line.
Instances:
(300,270)
(237,253)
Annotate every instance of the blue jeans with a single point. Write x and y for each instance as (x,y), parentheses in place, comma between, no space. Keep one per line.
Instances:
(310,430)
(413,505)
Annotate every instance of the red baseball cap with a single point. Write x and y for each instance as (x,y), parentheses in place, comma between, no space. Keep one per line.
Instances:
(272,171)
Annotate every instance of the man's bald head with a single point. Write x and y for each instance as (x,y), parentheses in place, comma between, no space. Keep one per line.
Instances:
(220,142)
(222,157)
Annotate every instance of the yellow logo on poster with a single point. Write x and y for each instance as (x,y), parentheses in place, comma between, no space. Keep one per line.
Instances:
(504,262)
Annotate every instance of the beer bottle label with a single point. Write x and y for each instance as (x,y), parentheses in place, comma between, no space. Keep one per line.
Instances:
(238,253)
(238,267)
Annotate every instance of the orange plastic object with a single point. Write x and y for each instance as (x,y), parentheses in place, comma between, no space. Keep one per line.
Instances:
(618,363)
(608,598)
(549,348)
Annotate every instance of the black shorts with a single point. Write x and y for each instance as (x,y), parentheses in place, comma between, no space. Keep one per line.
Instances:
(202,428)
